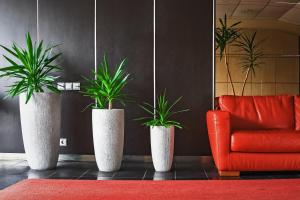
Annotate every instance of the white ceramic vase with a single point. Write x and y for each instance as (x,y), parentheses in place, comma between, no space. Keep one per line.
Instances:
(108,136)
(162,147)
(41,121)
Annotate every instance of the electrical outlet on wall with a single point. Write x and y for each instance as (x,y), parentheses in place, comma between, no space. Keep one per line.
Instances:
(68,86)
(63,142)
(76,86)
(61,86)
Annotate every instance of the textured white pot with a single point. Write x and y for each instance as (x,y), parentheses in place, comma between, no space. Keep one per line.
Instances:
(162,147)
(160,176)
(40,120)
(108,135)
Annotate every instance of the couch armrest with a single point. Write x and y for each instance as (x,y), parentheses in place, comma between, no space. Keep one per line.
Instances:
(218,125)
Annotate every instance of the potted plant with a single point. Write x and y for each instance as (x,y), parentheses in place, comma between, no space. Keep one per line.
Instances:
(108,123)
(39,101)
(161,131)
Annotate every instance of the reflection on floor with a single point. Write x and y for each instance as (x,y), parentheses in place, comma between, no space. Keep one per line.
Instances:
(12,171)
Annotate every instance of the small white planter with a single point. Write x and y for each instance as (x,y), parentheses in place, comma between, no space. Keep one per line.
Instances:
(108,136)
(162,147)
(40,121)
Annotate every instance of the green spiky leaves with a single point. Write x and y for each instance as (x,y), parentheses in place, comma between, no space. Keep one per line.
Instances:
(251,57)
(251,52)
(32,68)
(225,35)
(162,114)
(107,87)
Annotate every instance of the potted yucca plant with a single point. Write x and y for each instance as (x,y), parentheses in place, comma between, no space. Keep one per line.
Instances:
(161,130)
(108,123)
(39,101)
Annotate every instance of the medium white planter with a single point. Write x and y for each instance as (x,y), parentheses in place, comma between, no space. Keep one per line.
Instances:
(160,176)
(162,147)
(108,135)
(40,121)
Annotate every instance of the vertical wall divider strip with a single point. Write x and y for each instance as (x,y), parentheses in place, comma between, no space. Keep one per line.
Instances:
(95,41)
(154,56)
(37,22)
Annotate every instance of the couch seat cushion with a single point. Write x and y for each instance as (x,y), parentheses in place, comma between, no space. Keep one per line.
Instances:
(267,141)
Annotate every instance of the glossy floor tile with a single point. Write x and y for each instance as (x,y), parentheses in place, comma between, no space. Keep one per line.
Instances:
(12,171)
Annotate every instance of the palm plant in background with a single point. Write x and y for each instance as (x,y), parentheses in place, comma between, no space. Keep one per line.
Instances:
(31,66)
(251,56)
(162,113)
(226,35)
(106,88)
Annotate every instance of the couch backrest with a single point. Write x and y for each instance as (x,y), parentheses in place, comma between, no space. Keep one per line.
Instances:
(297,112)
(260,112)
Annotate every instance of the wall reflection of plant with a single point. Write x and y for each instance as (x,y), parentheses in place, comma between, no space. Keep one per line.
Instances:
(225,36)
(251,55)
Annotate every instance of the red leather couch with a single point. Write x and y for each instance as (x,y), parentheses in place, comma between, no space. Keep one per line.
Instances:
(255,133)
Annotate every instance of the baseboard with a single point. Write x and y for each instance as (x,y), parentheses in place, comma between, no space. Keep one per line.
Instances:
(12,156)
(91,158)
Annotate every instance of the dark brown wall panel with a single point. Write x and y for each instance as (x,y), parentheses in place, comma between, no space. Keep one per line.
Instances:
(16,19)
(125,29)
(184,66)
(71,24)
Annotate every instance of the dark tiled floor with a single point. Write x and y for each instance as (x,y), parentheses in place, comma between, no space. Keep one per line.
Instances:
(202,169)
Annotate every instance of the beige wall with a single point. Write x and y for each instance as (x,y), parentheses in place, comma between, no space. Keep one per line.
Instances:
(278,75)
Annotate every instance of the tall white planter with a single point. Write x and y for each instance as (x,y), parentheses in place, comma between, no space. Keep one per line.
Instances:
(162,147)
(108,135)
(40,121)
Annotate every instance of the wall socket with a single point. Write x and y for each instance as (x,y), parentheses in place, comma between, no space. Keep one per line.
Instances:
(68,86)
(63,142)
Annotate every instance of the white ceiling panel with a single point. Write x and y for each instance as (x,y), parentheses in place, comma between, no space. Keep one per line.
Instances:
(234,2)
(292,16)
(221,10)
(273,12)
(248,11)
(254,2)
(284,10)
(283,3)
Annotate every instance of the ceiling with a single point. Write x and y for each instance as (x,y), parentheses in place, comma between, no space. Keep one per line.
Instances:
(282,10)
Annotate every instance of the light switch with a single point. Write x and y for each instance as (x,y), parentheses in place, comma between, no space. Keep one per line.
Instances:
(68,86)
(76,86)
(61,86)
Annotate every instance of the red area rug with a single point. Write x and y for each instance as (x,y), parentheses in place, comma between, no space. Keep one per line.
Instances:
(144,190)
